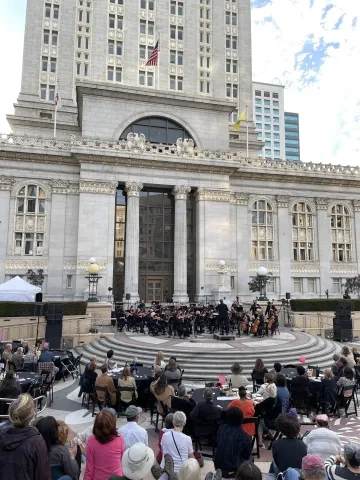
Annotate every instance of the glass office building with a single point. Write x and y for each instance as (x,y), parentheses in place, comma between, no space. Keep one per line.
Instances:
(292,136)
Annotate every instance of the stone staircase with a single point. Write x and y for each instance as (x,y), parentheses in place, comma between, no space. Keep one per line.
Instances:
(207,365)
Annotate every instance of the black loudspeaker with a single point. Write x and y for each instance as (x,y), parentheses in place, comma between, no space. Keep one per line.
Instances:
(288,296)
(346,324)
(38,310)
(128,296)
(54,324)
(346,335)
(38,297)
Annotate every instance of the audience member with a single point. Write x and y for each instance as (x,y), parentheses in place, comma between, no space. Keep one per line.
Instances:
(61,460)
(205,415)
(259,367)
(321,441)
(132,432)
(341,364)
(63,432)
(301,381)
(82,437)
(268,380)
(190,470)
(312,468)
(248,471)
(18,358)
(344,468)
(237,380)
(105,449)
(349,357)
(136,462)
(268,410)
(172,372)
(283,392)
(347,380)
(277,367)
(109,361)
(9,387)
(183,395)
(23,454)
(356,354)
(7,355)
(168,426)
(163,392)
(126,380)
(247,407)
(104,380)
(89,377)
(233,444)
(287,451)
(159,360)
(334,367)
(46,356)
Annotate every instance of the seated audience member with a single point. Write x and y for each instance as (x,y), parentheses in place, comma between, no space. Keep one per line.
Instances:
(126,380)
(30,356)
(247,407)
(9,387)
(168,426)
(105,449)
(237,380)
(175,443)
(347,467)
(162,392)
(205,415)
(321,441)
(268,380)
(341,364)
(136,463)
(268,410)
(45,355)
(287,451)
(301,381)
(18,358)
(312,468)
(109,361)
(347,380)
(172,372)
(104,380)
(248,471)
(259,367)
(277,367)
(345,352)
(89,377)
(131,431)
(82,437)
(283,392)
(61,460)
(23,453)
(334,367)
(356,354)
(233,444)
(159,360)
(183,395)
(177,365)
(7,355)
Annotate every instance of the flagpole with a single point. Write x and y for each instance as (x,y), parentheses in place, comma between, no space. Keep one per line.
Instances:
(55,119)
(247,132)
(158,74)
(56,107)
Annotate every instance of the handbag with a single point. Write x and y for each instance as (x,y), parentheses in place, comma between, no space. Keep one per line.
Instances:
(197,455)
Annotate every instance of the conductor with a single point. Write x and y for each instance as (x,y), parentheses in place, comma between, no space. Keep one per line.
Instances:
(223,310)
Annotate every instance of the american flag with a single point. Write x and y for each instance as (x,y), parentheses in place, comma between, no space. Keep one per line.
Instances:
(153,59)
(56,99)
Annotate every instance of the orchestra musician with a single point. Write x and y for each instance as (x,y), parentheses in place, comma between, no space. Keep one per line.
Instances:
(223,310)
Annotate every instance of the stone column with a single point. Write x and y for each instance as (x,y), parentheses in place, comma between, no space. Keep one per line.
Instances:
(6,184)
(180,245)
(356,250)
(132,242)
(284,243)
(324,245)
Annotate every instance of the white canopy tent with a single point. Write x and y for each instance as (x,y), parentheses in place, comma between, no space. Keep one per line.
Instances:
(17,290)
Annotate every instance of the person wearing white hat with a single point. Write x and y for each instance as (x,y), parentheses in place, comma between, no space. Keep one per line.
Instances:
(136,462)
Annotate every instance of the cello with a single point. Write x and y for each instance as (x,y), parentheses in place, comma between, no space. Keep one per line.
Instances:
(270,323)
(254,327)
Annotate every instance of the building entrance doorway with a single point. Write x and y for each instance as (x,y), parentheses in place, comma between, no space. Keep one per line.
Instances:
(154,290)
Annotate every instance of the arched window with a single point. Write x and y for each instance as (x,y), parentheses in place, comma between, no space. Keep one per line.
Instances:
(302,232)
(157,130)
(340,233)
(262,231)
(29,221)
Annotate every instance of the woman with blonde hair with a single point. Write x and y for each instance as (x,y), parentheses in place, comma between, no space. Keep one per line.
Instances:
(159,360)
(23,452)
(126,380)
(190,470)
(345,352)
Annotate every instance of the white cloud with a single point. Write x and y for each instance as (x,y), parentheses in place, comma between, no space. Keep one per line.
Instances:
(329,107)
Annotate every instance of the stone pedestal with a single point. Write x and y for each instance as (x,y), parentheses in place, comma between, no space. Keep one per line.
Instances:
(180,245)
(224,293)
(132,242)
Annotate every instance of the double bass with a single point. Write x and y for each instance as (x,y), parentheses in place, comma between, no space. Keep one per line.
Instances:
(270,323)
(255,327)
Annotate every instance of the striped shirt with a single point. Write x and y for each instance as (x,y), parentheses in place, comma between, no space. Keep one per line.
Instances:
(335,472)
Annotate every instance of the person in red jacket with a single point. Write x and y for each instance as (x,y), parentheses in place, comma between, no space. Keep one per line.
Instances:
(23,453)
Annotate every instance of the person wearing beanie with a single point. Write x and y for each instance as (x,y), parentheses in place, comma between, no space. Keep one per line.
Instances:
(132,432)
(321,441)
(346,467)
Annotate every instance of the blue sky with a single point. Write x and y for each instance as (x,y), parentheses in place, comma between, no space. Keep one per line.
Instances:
(310,46)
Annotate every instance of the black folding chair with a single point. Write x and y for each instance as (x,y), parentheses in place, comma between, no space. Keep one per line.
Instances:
(301,400)
(47,386)
(256,422)
(346,396)
(123,405)
(100,403)
(258,380)
(163,415)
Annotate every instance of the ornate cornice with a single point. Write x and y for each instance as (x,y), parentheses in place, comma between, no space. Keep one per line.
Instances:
(356,205)
(346,268)
(283,201)
(6,183)
(83,264)
(239,198)
(271,267)
(212,195)
(322,203)
(133,188)
(64,187)
(215,267)
(107,188)
(299,267)
(180,192)
(25,264)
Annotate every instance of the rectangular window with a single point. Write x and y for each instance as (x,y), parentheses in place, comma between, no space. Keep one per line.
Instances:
(258,118)
(29,243)
(258,94)
(47,10)
(88,17)
(311,283)
(43,91)
(46,37)
(110,74)
(78,69)
(54,39)
(275,111)
(53,65)
(56,12)
(297,285)
(119,49)
(111,47)
(118,75)
(87,42)
(275,95)
(275,103)
(336,285)
(69,281)
(44,64)
(146,79)
(267,95)
(266,102)
(51,93)
(258,101)
(111,21)
(267,152)
(86,70)
(232,282)
(258,109)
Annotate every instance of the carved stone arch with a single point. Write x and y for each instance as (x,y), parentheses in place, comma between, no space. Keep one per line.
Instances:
(294,201)
(347,204)
(255,198)
(24,183)
(156,113)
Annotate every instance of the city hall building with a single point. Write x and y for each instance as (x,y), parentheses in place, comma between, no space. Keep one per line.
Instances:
(147,174)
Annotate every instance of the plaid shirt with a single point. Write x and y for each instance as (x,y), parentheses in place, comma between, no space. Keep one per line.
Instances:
(47,367)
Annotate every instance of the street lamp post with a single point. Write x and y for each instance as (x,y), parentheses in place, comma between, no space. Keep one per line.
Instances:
(221,272)
(93,279)
(262,273)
